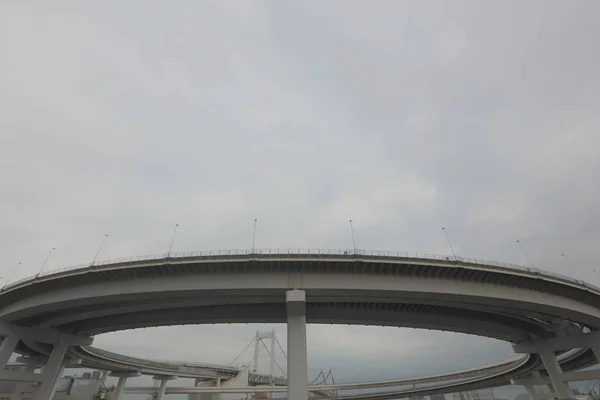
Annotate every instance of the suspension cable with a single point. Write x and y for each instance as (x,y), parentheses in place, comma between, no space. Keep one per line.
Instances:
(275,361)
(315,381)
(239,355)
(280,347)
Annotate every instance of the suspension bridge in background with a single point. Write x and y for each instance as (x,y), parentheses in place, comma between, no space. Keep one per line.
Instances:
(248,372)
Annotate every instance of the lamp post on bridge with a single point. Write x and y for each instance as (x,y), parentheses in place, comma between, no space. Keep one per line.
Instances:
(353,238)
(254,235)
(525,252)
(44,264)
(99,248)
(11,274)
(172,240)
(449,242)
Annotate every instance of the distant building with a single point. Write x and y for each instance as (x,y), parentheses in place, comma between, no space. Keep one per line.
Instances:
(479,394)
(86,387)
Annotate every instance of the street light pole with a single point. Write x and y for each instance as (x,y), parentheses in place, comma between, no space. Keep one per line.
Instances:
(44,264)
(11,274)
(254,235)
(525,252)
(172,240)
(99,248)
(449,242)
(353,238)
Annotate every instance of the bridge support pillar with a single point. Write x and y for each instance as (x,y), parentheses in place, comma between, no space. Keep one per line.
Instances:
(541,391)
(103,377)
(533,394)
(121,385)
(561,387)
(25,386)
(123,376)
(595,346)
(568,337)
(297,364)
(52,371)
(162,387)
(55,365)
(9,343)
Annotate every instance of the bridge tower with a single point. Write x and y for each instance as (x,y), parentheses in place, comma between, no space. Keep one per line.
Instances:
(258,341)
(249,373)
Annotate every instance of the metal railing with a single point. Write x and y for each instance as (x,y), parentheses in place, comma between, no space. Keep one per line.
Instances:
(208,254)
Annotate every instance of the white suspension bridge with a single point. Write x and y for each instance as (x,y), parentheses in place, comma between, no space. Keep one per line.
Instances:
(267,345)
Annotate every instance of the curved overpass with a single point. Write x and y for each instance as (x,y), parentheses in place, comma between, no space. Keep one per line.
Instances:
(463,296)
(523,363)
(93,357)
(515,304)
(483,377)
(498,374)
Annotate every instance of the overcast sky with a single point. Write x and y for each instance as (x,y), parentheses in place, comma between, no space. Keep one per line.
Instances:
(125,118)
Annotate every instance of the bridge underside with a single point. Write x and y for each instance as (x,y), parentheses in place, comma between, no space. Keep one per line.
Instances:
(519,306)
(503,326)
(366,308)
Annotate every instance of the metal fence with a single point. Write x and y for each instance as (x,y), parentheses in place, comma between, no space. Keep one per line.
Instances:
(298,253)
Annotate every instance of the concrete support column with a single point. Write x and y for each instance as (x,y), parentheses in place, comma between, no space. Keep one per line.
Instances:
(52,371)
(119,389)
(540,389)
(160,395)
(24,386)
(7,348)
(595,346)
(161,389)
(123,376)
(104,377)
(532,393)
(561,388)
(297,364)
